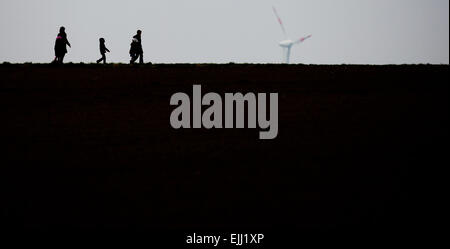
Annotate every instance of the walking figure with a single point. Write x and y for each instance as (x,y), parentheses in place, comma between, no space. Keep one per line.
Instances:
(103,51)
(60,46)
(136,48)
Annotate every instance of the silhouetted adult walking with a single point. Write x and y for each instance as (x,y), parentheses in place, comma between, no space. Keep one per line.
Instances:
(60,46)
(103,51)
(136,48)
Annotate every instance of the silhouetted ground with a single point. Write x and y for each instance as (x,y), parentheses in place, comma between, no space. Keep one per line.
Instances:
(91,147)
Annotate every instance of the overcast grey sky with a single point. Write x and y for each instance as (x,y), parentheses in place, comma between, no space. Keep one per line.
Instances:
(222,31)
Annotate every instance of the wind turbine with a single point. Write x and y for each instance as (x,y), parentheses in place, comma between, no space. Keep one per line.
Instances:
(287,43)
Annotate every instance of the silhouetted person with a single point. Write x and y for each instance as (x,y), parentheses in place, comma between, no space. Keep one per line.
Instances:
(136,48)
(103,51)
(60,46)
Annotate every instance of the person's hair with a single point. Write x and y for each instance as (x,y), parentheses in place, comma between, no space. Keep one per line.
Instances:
(139,31)
(102,40)
(62,29)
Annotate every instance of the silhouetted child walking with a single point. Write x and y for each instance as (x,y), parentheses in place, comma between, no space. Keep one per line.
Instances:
(103,51)
(136,50)
(60,46)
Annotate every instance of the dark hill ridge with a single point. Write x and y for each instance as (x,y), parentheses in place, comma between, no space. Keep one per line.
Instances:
(91,147)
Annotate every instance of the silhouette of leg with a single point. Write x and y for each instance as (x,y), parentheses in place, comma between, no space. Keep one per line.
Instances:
(61,59)
(141,58)
(133,58)
(102,59)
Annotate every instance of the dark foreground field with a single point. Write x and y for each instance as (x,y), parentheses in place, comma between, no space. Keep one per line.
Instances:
(91,148)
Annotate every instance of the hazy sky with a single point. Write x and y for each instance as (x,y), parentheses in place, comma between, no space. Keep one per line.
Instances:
(222,31)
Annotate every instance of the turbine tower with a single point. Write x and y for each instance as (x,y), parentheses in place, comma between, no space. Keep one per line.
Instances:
(287,43)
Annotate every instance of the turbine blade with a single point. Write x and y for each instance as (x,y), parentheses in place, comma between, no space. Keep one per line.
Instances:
(279,20)
(303,39)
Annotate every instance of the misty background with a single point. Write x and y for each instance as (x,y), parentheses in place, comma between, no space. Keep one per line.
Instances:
(218,31)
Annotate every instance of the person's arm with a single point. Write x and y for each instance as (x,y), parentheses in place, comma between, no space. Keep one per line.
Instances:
(67,41)
(107,49)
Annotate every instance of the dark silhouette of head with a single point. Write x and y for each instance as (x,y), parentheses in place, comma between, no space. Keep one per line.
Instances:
(62,30)
(139,32)
(102,40)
